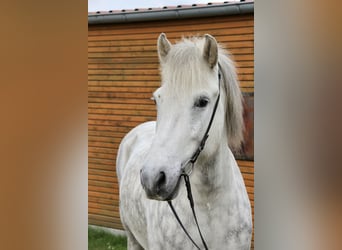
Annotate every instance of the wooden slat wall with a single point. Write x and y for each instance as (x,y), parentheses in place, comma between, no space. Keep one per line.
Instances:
(122,74)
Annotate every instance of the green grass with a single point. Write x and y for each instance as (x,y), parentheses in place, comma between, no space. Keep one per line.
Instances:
(101,240)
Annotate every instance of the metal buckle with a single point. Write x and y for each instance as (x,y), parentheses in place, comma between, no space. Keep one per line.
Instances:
(187,168)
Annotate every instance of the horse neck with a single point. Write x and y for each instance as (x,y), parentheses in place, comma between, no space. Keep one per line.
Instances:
(213,173)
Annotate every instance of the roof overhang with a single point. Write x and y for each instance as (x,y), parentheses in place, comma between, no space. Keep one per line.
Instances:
(224,9)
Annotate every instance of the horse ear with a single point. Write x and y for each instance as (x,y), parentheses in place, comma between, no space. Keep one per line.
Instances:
(210,51)
(164,47)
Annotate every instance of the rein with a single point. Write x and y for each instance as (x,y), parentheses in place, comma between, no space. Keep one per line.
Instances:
(192,161)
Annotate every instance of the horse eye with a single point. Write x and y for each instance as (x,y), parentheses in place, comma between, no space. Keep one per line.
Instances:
(202,102)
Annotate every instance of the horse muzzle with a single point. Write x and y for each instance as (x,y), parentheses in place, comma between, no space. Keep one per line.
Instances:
(160,184)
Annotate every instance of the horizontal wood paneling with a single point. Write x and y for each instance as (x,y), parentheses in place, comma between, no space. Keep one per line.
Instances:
(122,75)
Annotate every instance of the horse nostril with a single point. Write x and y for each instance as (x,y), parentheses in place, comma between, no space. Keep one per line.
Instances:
(161,180)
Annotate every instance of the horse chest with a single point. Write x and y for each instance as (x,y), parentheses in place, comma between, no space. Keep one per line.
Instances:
(219,226)
(226,229)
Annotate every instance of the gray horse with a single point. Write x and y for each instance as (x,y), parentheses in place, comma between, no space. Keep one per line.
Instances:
(153,156)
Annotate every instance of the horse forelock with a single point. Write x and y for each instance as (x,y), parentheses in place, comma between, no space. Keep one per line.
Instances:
(185,69)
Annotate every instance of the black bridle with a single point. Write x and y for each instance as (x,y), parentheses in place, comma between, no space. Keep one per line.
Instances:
(192,161)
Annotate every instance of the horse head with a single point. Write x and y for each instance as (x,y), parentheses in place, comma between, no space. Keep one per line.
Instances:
(185,103)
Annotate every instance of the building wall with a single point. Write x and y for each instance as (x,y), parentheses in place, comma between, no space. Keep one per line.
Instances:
(122,74)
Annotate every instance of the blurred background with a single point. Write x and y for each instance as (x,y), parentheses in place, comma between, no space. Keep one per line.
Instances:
(44,136)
